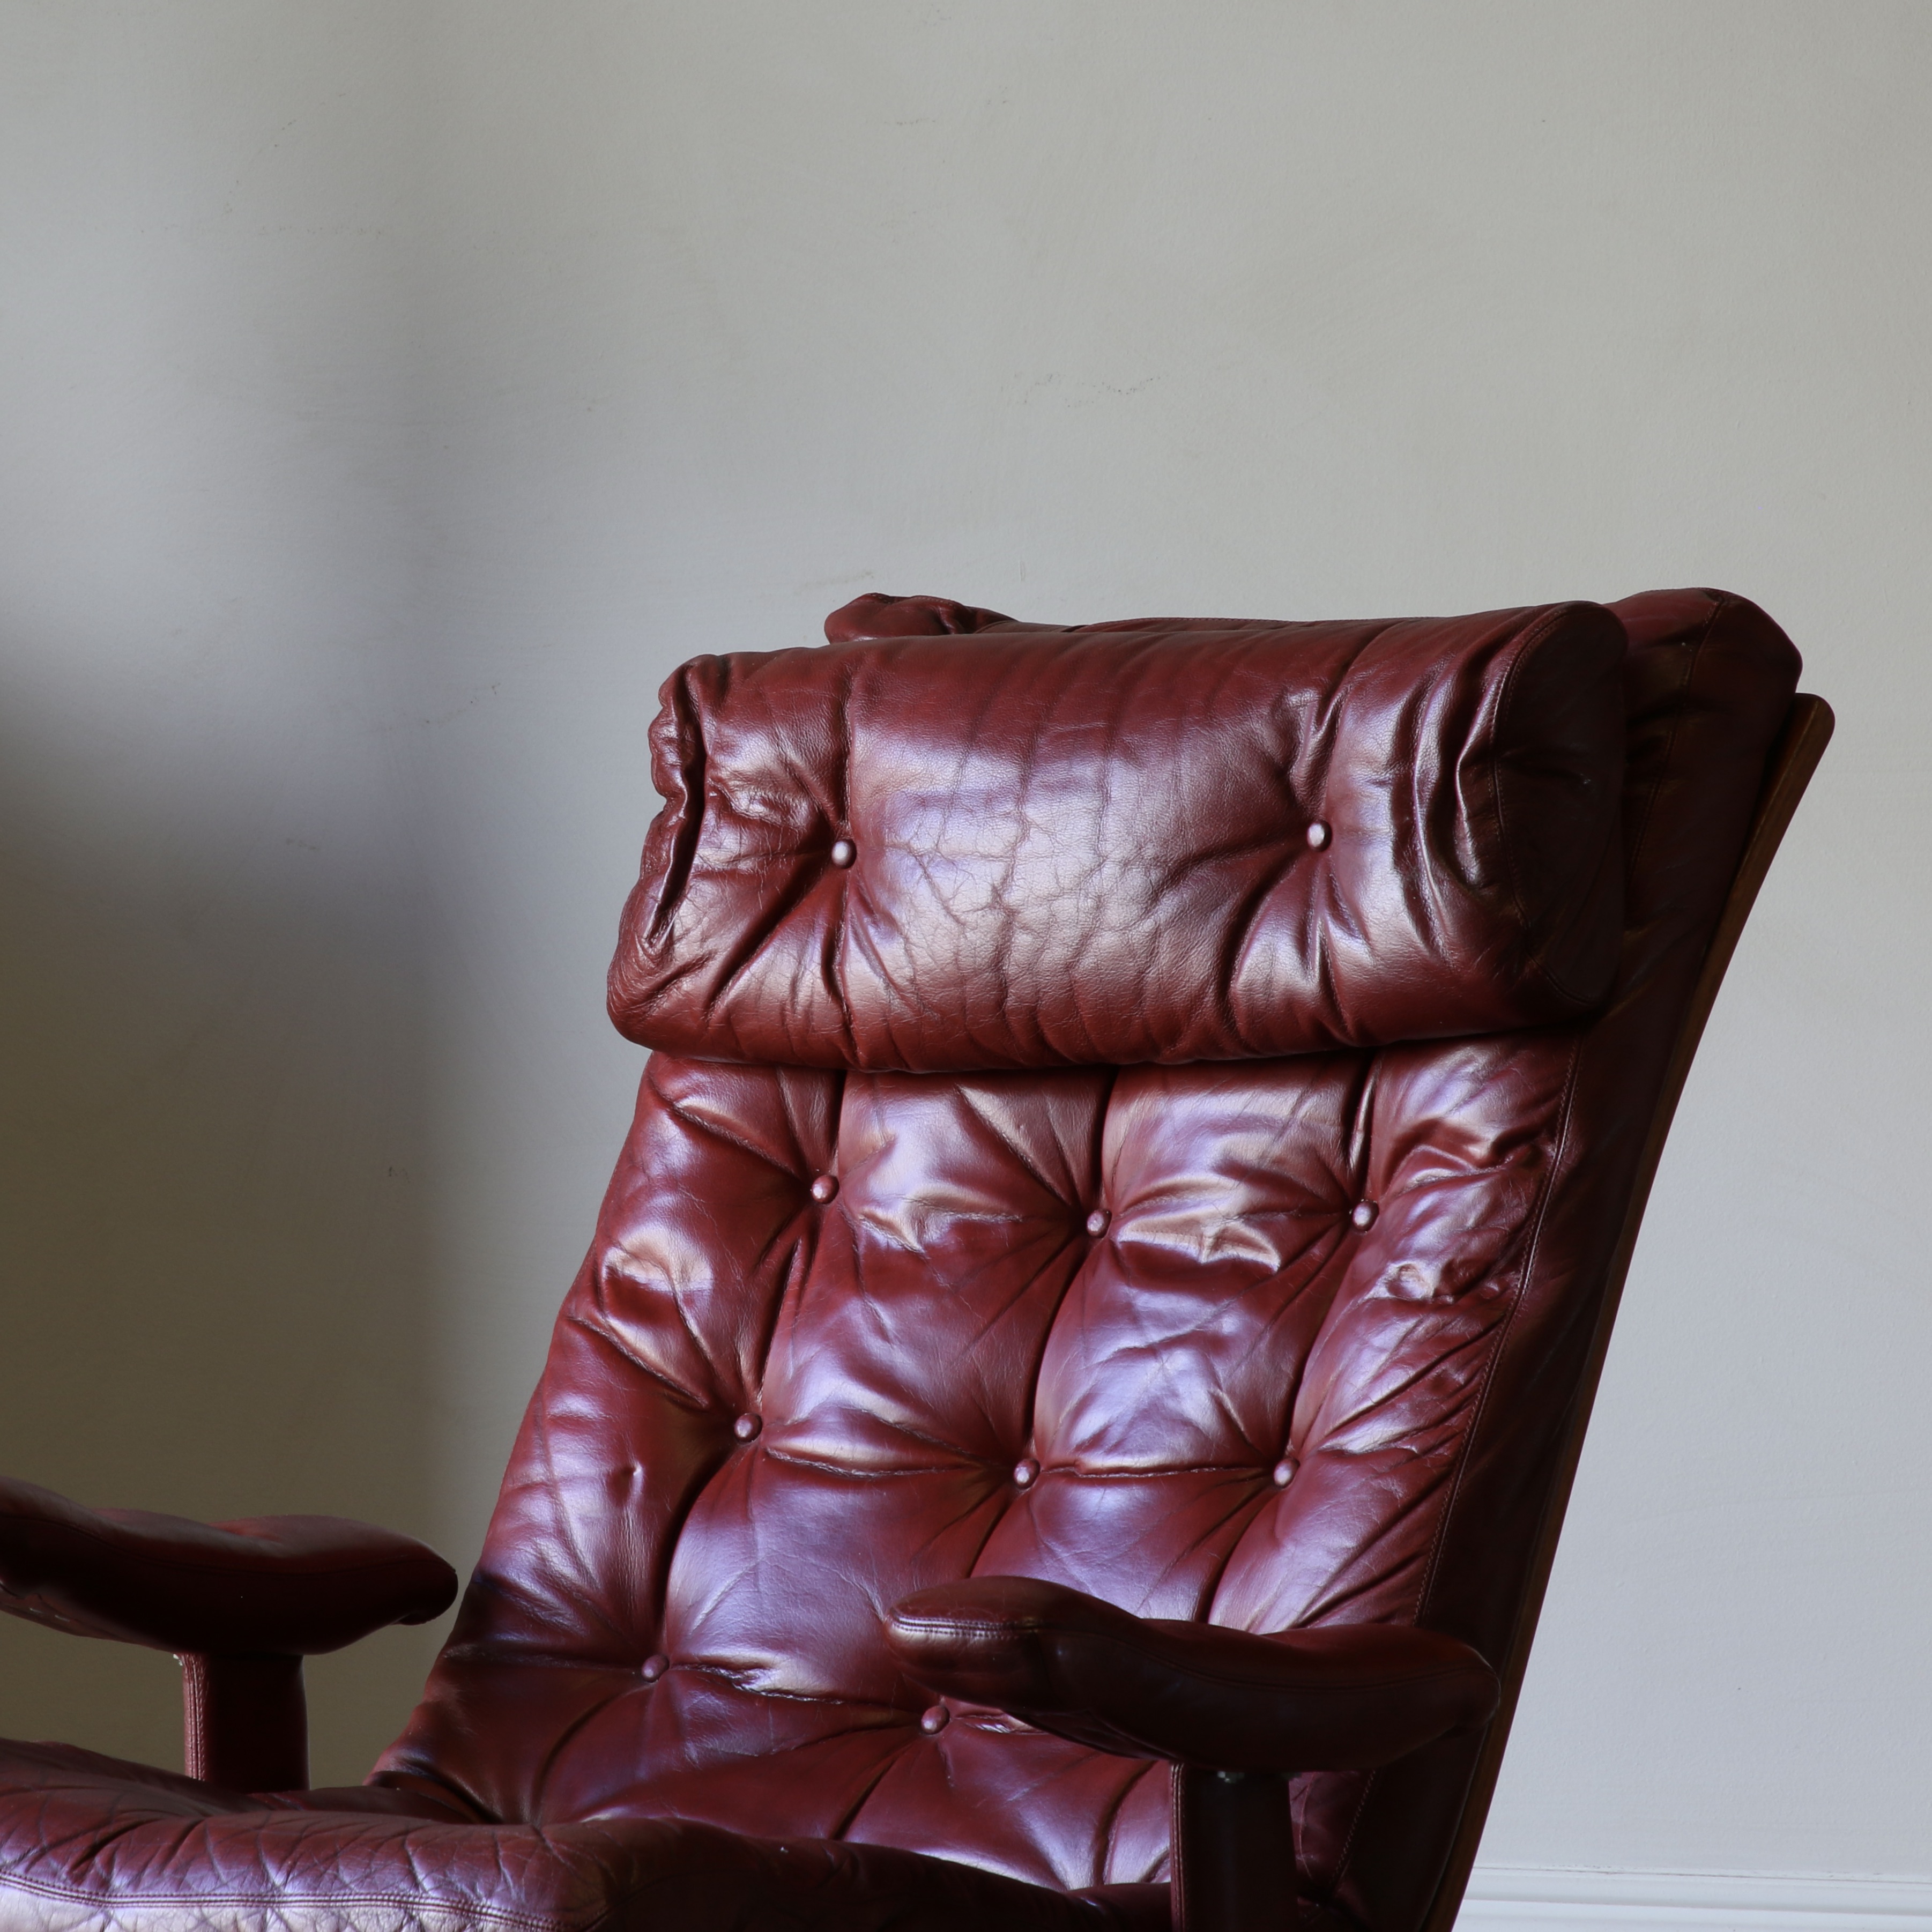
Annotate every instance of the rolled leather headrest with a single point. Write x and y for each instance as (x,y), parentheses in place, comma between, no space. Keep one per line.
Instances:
(947,841)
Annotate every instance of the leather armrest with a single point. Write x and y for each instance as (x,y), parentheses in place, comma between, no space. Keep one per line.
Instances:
(287,1585)
(1343,1697)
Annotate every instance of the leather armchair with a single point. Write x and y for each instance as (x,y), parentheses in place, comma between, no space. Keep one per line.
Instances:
(1068,1410)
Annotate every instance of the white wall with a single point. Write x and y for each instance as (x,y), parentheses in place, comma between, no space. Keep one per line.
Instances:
(393,390)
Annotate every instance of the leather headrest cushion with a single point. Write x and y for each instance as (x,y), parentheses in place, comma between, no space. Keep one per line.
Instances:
(949,841)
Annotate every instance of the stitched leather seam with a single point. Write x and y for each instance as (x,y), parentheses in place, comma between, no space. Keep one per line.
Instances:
(278,1900)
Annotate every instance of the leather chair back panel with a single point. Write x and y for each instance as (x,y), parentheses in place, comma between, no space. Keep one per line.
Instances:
(1271,1342)
(1121,1330)
(1166,841)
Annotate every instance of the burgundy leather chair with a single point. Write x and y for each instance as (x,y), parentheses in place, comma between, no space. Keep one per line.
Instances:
(1094,1320)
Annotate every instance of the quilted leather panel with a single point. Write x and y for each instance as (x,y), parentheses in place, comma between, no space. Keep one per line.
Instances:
(1232,1402)
(1161,841)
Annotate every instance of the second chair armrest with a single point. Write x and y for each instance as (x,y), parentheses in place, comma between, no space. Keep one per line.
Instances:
(1343,1697)
(286,1585)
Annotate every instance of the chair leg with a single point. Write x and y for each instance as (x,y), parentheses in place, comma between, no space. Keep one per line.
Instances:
(245,1722)
(1233,1851)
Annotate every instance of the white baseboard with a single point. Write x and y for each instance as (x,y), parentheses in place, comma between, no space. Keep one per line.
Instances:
(1514,1898)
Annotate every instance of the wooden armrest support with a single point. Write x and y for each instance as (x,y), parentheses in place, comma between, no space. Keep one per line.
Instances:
(241,1603)
(1233,1713)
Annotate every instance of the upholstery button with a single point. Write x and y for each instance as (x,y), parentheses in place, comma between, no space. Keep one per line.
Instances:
(746,1427)
(1363,1214)
(1282,1473)
(652,1668)
(1026,1472)
(1319,834)
(1097,1221)
(934,1720)
(825,1188)
(843,852)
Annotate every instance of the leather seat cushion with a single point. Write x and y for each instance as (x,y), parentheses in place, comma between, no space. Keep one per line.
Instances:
(89,1842)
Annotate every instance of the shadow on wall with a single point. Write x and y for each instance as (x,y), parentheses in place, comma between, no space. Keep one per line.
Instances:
(213,1238)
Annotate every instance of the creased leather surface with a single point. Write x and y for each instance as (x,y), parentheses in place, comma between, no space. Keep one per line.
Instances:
(163,1853)
(1170,841)
(1121,1328)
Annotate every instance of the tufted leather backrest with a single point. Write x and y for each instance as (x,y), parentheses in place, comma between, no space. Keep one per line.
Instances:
(1213,1329)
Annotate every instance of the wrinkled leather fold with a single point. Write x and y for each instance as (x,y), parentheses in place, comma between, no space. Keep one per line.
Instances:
(1347,1697)
(294,1585)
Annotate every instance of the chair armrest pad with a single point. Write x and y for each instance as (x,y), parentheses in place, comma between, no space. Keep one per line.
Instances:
(1343,1697)
(290,1586)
